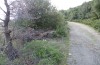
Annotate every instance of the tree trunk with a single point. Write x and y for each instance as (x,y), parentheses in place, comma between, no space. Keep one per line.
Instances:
(10,51)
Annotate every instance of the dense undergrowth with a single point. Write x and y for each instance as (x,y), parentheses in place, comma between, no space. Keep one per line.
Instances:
(32,35)
(41,52)
(91,22)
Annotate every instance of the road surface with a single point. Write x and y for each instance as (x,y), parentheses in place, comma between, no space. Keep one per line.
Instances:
(85,45)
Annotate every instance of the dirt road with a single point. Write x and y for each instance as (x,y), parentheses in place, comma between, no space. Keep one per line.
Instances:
(85,45)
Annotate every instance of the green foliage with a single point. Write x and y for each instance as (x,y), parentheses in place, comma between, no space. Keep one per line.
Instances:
(87,13)
(64,12)
(60,32)
(49,21)
(61,26)
(41,52)
(54,21)
(81,12)
(45,62)
(42,15)
(49,17)
(93,23)
(96,4)
(87,10)
(2,59)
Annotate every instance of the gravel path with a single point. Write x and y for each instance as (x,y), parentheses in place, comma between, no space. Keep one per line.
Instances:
(85,45)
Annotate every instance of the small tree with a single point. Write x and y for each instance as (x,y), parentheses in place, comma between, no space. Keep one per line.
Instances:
(9,50)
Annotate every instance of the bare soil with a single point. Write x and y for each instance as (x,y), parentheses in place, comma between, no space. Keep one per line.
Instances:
(85,45)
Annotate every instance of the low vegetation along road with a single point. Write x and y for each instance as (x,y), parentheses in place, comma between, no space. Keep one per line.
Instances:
(85,45)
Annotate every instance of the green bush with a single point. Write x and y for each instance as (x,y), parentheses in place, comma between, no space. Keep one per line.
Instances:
(49,21)
(91,22)
(41,51)
(60,32)
(53,21)
(61,27)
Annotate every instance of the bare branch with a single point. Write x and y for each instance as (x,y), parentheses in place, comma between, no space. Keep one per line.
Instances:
(14,2)
(3,10)
(7,17)
(1,19)
(11,3)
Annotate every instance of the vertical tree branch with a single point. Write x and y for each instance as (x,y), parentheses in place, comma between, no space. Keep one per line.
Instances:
(10,51)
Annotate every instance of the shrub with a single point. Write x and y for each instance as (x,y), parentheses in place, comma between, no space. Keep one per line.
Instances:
(61,29)
(91,22)
(41,52)
(50,21)
(43,16)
